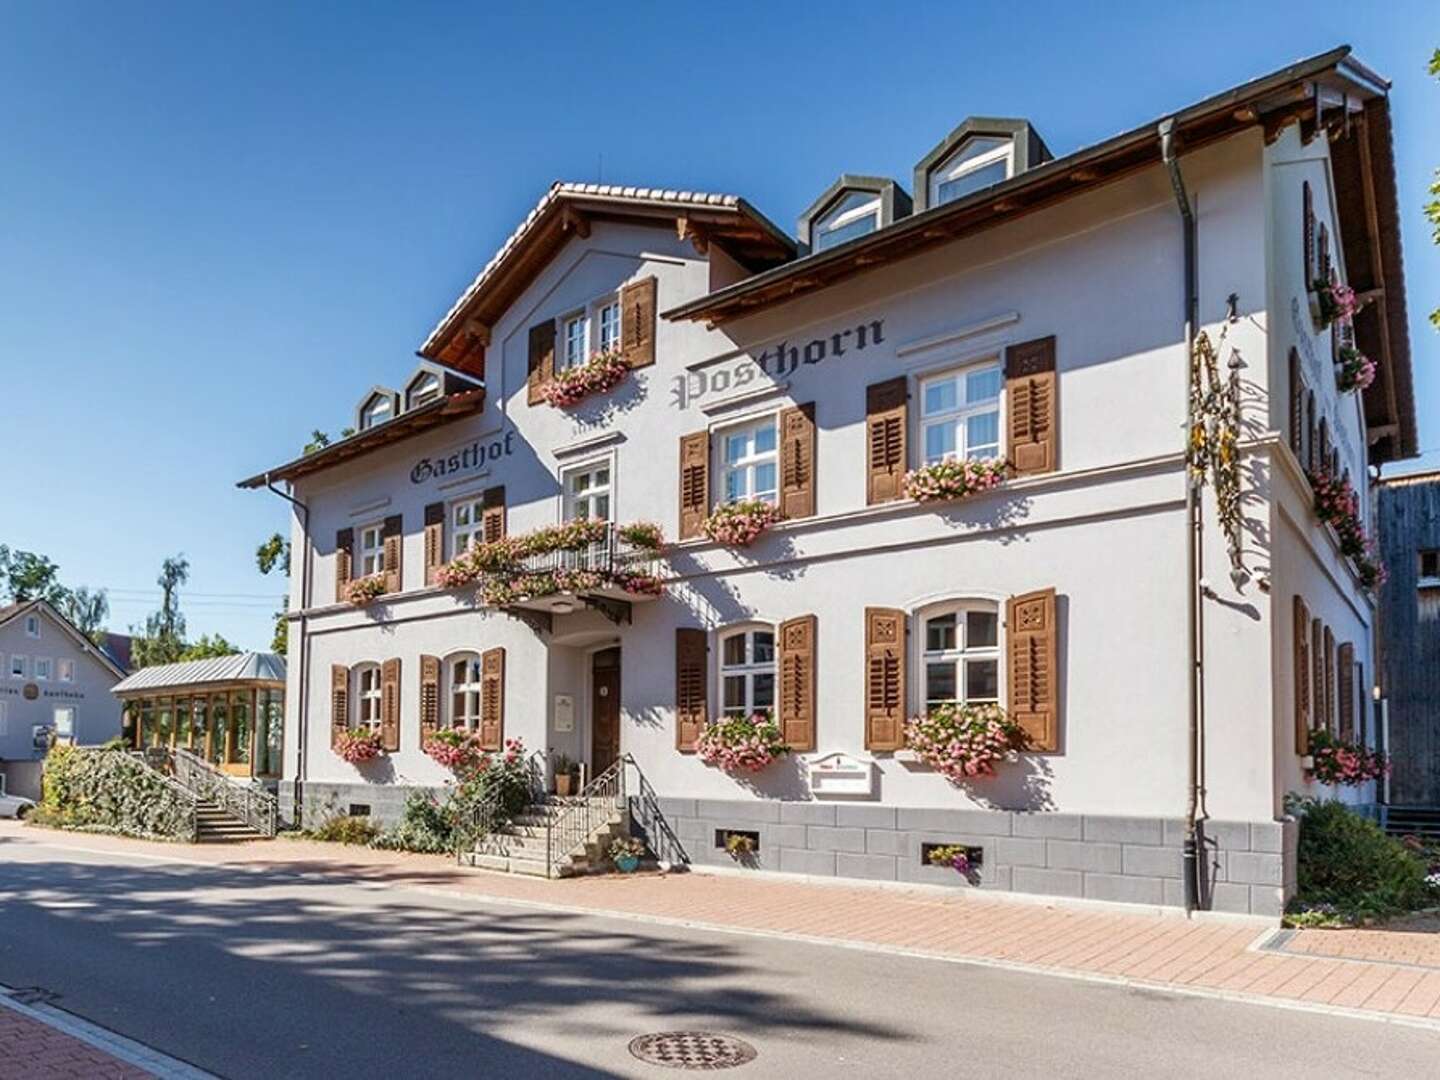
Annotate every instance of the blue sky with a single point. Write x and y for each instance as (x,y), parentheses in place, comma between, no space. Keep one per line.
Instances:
(220,222)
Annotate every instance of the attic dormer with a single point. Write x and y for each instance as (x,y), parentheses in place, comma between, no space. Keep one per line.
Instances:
(431,381)
(851,207)
(376,407)
(981,152)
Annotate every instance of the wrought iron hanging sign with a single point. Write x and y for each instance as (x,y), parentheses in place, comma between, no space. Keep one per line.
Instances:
(1214,450)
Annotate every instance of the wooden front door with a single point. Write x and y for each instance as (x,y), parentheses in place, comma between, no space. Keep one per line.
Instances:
(604,710)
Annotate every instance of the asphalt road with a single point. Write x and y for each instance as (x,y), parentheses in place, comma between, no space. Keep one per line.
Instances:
(283,975)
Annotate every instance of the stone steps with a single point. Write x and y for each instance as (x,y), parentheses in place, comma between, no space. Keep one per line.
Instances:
(519,847)
(214,826)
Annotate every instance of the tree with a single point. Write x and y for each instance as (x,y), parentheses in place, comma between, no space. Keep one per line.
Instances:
(87,610)
(163,640)
(28,576)
(274,554)
(208,647)
(1432,208)
(320,439)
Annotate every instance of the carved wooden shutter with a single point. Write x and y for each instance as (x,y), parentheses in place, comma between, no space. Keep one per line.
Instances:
(393,538)
(1317,668)
(492,513)
(1311,446)
(1297,407)
(691,683)
(344,547)
(884,679)
(434,540)
(1302,677)
(339,703)
(429,696)
(886,427)
(694,482)
(1033,667)
(1329,679)
(492,699)
(542,360)
(797,461)
(1322,256)
(1031,388)
(1309,234)
(390,704)
(797,682)
(637,322)
(1346,676)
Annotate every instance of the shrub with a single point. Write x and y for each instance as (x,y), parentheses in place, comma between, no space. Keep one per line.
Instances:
(426,826)
(1347,862)
(345,829)
(104,790)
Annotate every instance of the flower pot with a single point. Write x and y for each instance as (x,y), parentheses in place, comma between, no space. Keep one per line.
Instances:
(562,784)
(626,864)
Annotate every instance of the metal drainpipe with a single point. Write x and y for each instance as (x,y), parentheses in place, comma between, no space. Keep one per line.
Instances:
(304,704)
(1193,530)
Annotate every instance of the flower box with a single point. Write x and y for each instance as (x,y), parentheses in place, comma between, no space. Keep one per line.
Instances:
(739,524)
(359,745)
(1354,371)
(453,748)
(964,742)
(1335,761)
(741,743)
(943,481)
(1332,302)
(363,590)
(601,373)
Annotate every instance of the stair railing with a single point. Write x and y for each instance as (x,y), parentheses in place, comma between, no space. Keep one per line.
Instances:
(645,811)
(578,818)
(157,760)
(251,804)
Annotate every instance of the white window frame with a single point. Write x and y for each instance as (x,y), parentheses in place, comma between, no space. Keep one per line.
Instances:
(367,419)
(944,173)
(44,667)
(20,659)
(564,360)
(962,654)
(469,533)
(370,560)
(962,412)
(833,220)
(427,383)
(469,718)
(570,500)
(749,668)
(607,331)
(749,464)
(65,670)
(74,712)
(369,692)
(32,626)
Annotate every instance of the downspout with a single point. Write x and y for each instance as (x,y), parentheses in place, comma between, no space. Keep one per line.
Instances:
(1191,865)
(304,674)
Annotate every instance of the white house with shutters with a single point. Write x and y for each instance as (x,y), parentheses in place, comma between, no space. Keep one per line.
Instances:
(1013,307)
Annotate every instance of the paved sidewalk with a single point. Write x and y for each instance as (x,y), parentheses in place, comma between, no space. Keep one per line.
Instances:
(31,1049)
(1215,956)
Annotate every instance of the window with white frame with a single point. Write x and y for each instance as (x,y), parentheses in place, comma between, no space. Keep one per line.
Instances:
(17,667)
(979,163)
(587,492)
(372,549)
(379,409)
(463,672)
(749,462)
(367,696)
(960,413)
(32,626)
(607,321)
(960,662)
(424,390)
(747,670)
(64,721)
(65,670)
(467,525)
(854,215)
(574,340)
(42,668)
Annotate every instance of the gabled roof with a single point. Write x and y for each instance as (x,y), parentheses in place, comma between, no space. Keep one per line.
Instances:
(238,667)
(565,211)
(86,646)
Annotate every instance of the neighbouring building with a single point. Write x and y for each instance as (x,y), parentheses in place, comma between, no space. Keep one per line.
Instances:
(54,684)
(1409,524)
(229,710)
(1013,306)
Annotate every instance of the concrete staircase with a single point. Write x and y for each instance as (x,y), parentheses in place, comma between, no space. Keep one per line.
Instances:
(214,826)
(519,847)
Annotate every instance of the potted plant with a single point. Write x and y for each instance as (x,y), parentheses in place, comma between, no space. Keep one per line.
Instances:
(955,856)
(359,745)
(625,853)
(1356,370)
(741,743)
(565,774)
(740,846)
(1332,302)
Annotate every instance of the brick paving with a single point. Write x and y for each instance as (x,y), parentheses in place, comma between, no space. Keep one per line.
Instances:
(30,1049)
(1376,972)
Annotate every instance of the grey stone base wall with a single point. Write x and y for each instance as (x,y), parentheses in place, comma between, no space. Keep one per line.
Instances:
(1250,866)
(384,803)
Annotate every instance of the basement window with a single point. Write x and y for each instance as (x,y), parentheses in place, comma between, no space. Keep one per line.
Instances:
(1429,569)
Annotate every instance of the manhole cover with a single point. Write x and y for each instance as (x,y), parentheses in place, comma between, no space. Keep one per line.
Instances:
(692,1050)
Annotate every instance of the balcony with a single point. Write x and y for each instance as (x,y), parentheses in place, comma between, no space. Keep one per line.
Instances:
(608,575)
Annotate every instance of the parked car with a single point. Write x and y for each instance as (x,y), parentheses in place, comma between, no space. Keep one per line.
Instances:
(16,806)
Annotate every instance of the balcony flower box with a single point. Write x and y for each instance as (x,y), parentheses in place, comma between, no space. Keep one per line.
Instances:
(359,745)
(739,524)
(1336,761)
(951,479)
(964,742)
(364,590)
(1332,302)
(739,744)
(598,375)
(1354,371)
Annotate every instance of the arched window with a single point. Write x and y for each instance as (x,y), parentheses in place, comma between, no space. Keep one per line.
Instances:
(366,713)
(960,658)
(463,673)
(747,670)
(424,390)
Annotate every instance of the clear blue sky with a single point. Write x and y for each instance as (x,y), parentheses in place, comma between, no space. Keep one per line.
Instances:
(220,222)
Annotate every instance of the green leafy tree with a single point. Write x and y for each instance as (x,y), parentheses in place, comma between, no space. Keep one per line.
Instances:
(25,575)
(272,555)
(87,609)
(163,639)
(320,439)
(208,647)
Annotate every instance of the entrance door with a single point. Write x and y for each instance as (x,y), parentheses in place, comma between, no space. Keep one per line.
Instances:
(604,710)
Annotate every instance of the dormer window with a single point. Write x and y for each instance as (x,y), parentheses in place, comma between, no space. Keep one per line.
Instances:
(855,215)
(424,390)
(378,409)
(979,163)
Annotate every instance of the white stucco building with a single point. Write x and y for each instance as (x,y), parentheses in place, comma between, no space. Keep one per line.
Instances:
(1012,305)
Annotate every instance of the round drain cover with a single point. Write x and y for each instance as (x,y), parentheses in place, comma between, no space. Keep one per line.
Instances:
(692,1050)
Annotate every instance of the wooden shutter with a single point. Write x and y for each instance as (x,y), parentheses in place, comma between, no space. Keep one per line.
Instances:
(637,322)
(392,536)
(1302,677)
(1346,676)
(797,461)
(1309,233)
(1297,407)
(434,540)
(390,704)
(1317,670)
(1311,445)
(884,679)
(797,682)
(1322,256)
(429,696)
(492,513)
(344,548)
(1031,387)
(691,683)
(1329,679)
(1033,668)
(492,699)
(542,360)
(339,703)
(694,482)
(886,425)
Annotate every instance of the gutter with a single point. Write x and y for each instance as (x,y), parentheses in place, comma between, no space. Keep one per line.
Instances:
(301,761)
(1194,533)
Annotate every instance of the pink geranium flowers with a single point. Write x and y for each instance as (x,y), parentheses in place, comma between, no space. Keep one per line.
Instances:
(359,745)
(1356,371)
(964,742)
(739,524)
(1335,302)
(363,590)
(741,743)
(601,373)
(1337,761)
(952,479)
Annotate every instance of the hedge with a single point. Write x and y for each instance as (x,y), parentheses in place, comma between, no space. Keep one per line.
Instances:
(106,790)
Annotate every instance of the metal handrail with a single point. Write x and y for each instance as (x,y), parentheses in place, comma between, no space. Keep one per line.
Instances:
(251,804)
(489,813)
(653,821)
(576,822)
(609,554)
